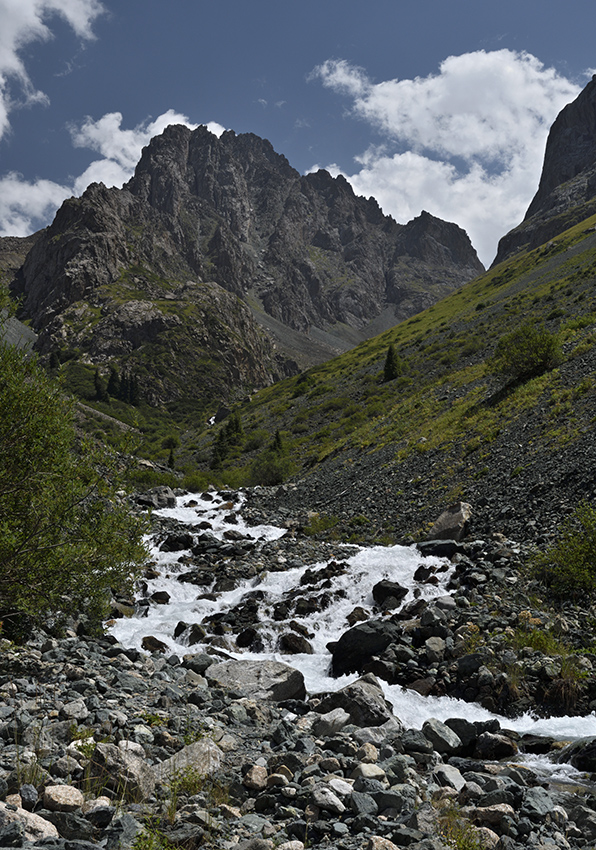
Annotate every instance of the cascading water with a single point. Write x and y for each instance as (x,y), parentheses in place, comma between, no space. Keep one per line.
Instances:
(365,567)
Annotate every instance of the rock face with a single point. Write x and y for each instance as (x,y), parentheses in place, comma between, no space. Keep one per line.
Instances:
(567,190)
(210,229)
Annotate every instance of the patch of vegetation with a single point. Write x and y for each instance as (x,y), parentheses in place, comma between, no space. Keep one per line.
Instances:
(65,538)
(568,567)
(527,351)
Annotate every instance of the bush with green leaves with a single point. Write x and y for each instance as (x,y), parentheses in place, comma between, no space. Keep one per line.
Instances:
(568,567)
(527,351)
(65,538)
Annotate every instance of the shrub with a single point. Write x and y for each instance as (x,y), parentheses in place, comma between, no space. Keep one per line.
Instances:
(568,567)
(527,351)
(65,539)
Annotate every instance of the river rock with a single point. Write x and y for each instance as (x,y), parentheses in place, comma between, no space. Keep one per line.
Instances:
(443,739)
(363,700)
(356,646)
(388,594)
(581,754)
(259,680)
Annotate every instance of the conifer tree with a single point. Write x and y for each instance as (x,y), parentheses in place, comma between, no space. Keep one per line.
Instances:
(114,383)
(393,366)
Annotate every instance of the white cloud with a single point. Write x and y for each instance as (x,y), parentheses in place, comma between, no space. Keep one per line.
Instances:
(25,21)
(27,206)
(120,148)
(466,144)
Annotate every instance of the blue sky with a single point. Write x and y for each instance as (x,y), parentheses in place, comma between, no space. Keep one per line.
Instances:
(441,105)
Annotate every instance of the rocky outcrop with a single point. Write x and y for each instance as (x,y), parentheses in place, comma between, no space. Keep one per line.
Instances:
(210,230)
(567,191)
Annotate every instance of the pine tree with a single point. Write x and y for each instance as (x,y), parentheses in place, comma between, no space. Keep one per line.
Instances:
(114,383)
(100,387)
(393,367)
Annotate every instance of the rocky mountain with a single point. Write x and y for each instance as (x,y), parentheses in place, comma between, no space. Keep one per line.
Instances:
(567,190)
(211,234)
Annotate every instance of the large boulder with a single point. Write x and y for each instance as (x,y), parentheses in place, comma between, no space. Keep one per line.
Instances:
(581,754)
(123,772)
(358,645)
(258,680)
(204,757)
(453,523)
(31,827)
(363,700)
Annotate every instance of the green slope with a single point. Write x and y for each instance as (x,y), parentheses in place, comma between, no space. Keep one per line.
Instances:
(446,399)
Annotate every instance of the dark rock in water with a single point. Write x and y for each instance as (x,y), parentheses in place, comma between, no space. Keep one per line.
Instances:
(491,746)
(177,541)
(581,754)
(250,637)
(160,597)
(438,548)
(153,644)
(388,594)
(294,644)
(356,646)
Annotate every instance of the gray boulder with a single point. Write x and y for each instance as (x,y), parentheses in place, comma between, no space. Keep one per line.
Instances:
(363,700)
(259,680)
(122,772)
(453,523)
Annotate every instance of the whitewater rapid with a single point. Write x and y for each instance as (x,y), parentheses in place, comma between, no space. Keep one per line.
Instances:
(366,567)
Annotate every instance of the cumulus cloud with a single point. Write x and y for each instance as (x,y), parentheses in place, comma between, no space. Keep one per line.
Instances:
(23,22)
(26,206)
(466,143)
(120,148)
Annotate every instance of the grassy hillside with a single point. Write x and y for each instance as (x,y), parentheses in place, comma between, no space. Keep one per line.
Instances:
(446,403)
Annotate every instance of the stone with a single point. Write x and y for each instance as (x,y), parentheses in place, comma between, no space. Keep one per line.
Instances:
(75,710)
(494,747)
(363,700)
(389,594)
(581,754)
(204,757)
(62,798)
(325,799)
(125,774)
(443,739)
(368,771)
(453,523)
(357,646)
(326,725)
(537,803)
(362,803)
(294,644)
(450,776)
(35,828)
(255,778)
(259,680)
(377,842)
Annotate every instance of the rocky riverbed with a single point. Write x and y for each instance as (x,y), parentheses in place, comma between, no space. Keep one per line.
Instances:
(106,744)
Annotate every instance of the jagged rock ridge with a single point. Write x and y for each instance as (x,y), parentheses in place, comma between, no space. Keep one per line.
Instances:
(567,191)
(207,223)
